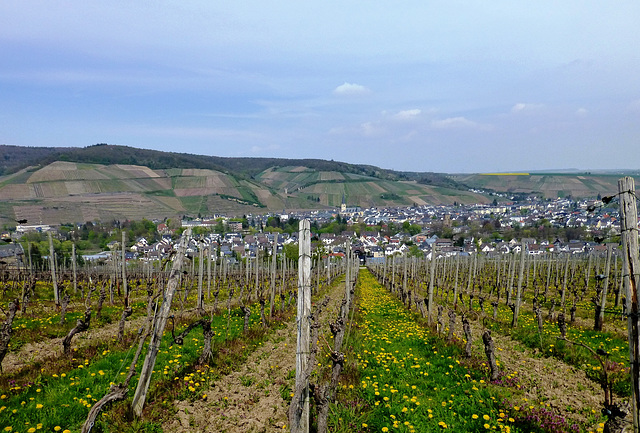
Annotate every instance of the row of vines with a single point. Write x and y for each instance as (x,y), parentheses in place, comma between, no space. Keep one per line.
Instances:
(72,344)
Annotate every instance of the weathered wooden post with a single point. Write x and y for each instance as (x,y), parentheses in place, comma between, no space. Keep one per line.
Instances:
(631,272)
(564,283)
(599,322)
(432,275)
(347,273)
(300,421)
(158,326)
(75,274)
(516,311)
(200,302)
(124,270)
(274,253)
(52,265)
(404,279)
(455,284)
(208,251)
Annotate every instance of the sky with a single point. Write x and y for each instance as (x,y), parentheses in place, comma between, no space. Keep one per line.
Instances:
(414,85)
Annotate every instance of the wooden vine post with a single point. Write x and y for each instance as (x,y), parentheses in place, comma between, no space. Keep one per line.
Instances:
(431,283)
(631,273)
(52,265)
(158,326)
(599,322)
(124,269)
(516,310)
(75,271)
(300,421)
(274,263)
(200,302)
(347,273)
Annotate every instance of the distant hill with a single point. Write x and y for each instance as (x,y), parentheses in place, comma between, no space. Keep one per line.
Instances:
(102,182)
(14,158)
(547,184)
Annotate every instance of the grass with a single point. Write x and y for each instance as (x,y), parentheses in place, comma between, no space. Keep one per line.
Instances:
(409,380)
(63,398)
(548,343)
(58,393)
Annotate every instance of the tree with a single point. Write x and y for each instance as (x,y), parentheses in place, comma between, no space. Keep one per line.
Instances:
(414,251)
(291,252)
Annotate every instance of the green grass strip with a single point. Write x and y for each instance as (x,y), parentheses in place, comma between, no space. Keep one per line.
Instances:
(412,381)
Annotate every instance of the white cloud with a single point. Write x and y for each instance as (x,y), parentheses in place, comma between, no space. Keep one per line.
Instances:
(522,106)
(351,89)
(454,122)
(370,129)
(408,114)
(582,112)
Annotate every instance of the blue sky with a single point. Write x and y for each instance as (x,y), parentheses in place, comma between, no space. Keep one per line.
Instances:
(455,86)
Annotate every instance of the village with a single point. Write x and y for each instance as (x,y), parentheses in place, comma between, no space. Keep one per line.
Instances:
(544,226)
(445,230)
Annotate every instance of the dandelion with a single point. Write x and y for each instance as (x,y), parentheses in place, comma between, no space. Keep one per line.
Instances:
(38,406)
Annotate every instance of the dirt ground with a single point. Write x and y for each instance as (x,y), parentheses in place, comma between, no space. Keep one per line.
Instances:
(250,399)
(564,389)
(52,348)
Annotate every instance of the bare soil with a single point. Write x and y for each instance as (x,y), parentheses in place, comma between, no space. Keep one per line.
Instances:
(251,399)
(562,388)
(52,348)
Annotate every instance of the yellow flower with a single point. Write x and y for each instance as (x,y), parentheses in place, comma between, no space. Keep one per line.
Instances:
(57,428)
(31,430)
(486,417)
(38,406)
(385,429)
(487,426)
(474,416)
(364,425)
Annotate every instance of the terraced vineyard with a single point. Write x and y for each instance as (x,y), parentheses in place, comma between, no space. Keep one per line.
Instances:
(63,191)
